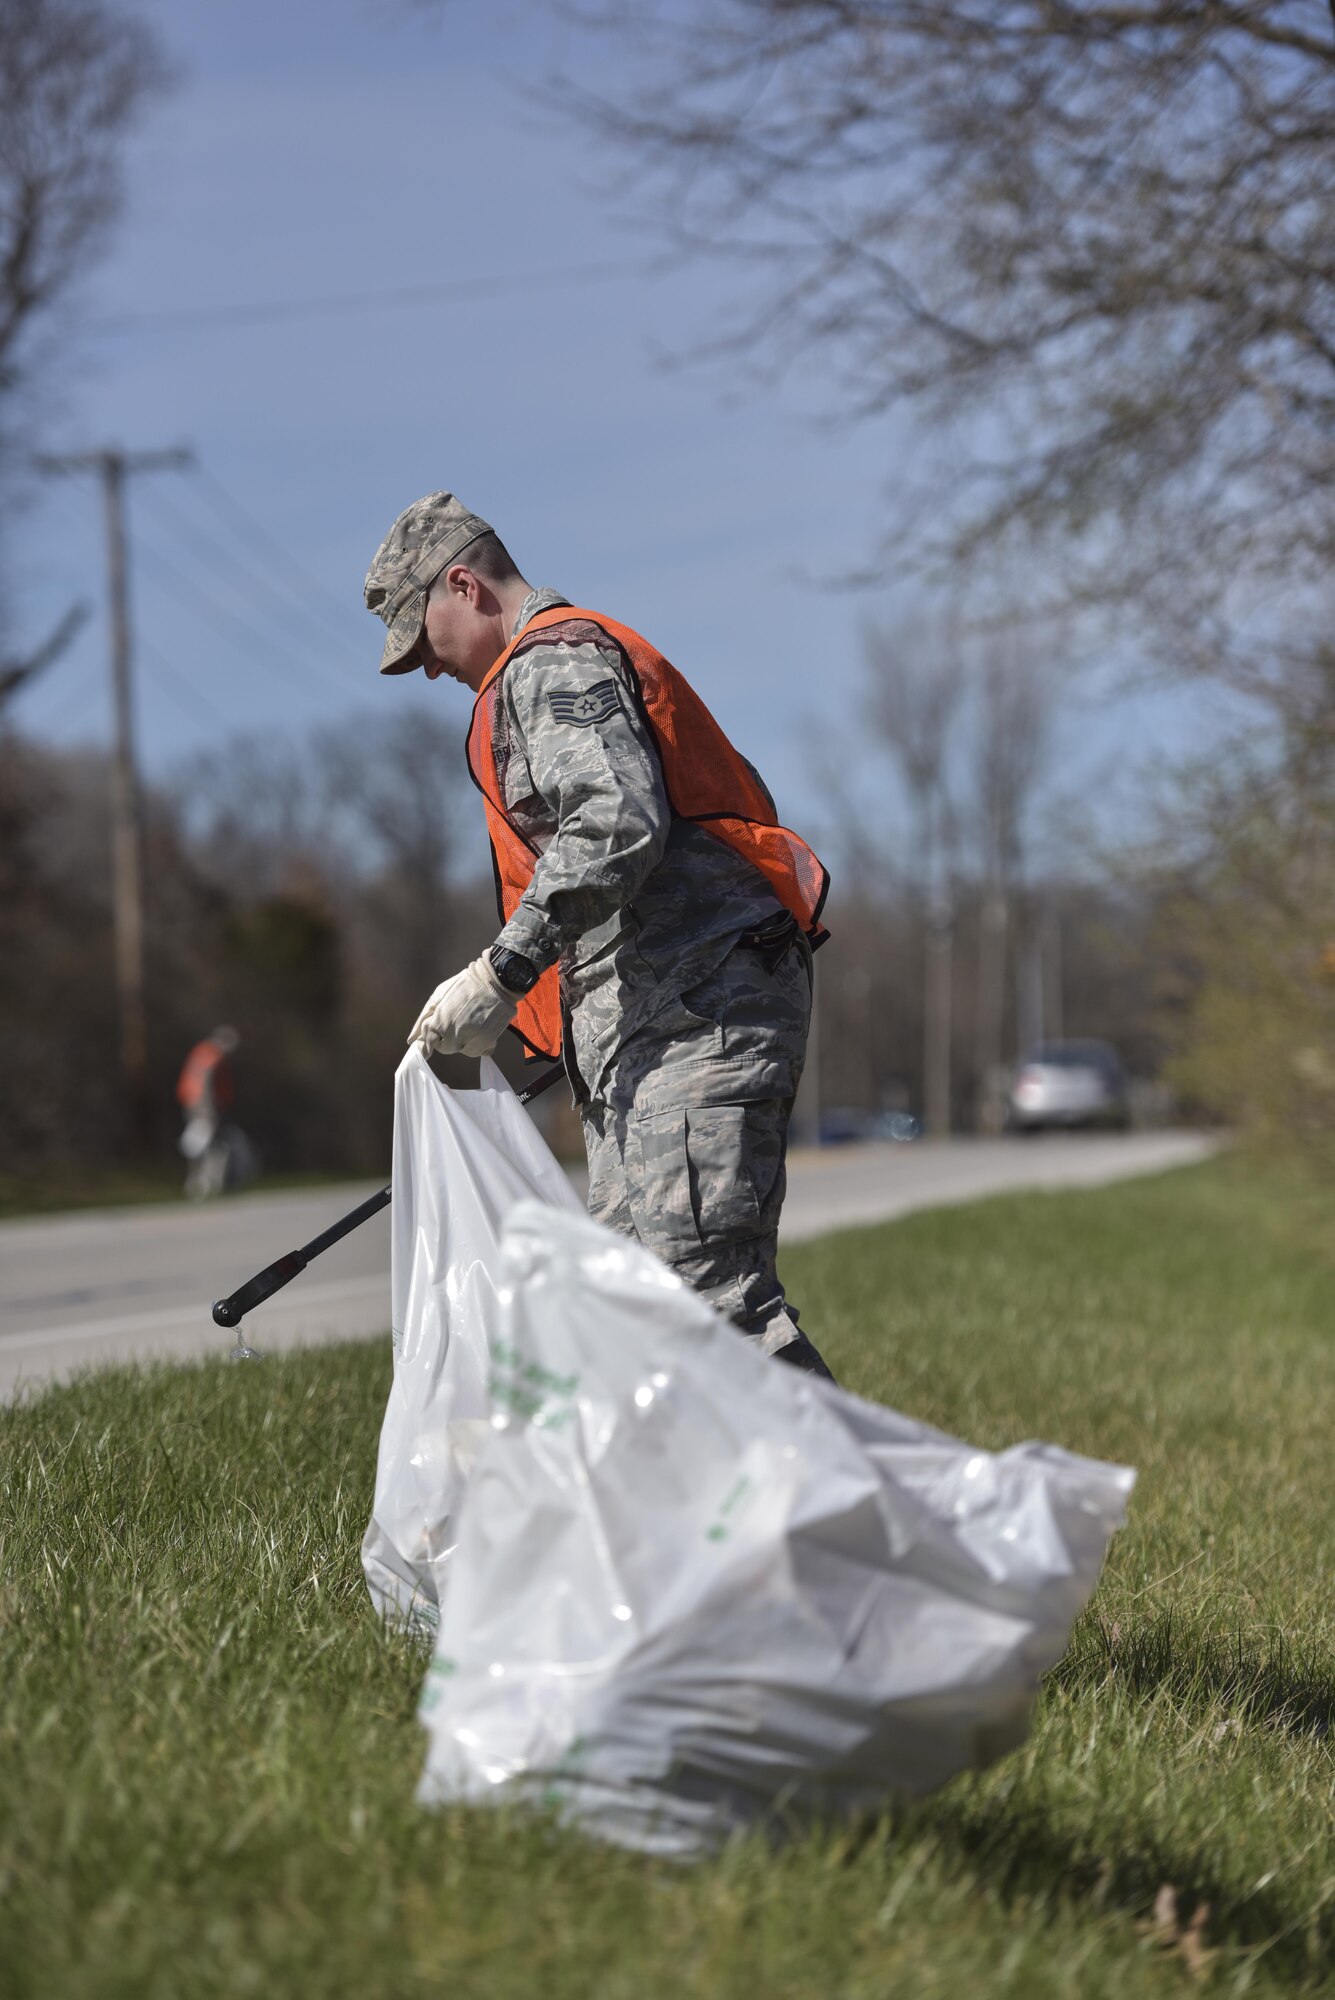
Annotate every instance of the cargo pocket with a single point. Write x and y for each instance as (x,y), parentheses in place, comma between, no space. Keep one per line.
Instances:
(724,1201)
(691,1187)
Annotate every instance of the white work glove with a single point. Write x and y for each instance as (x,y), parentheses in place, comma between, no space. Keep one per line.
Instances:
(466,1015)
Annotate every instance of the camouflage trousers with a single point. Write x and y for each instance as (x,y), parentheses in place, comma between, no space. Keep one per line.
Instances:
(686,1151)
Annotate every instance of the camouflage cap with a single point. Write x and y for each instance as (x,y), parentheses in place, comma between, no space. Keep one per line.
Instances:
(424,540)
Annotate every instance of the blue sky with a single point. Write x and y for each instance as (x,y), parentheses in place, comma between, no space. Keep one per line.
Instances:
(357,149)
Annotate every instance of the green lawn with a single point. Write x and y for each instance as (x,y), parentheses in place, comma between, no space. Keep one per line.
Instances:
(208,1747)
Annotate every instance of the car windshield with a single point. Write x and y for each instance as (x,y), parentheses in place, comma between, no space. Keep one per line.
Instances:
(1075,1055)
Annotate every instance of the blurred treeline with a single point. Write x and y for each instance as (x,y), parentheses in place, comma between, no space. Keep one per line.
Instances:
(312,893)
(1194,928)
(1252,912)
(309,895)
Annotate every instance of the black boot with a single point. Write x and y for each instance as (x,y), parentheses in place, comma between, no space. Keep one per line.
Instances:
(800,1353)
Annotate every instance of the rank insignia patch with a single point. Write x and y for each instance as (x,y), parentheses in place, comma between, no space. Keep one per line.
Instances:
(595,704)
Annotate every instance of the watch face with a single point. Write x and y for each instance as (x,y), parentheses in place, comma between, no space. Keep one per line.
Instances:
(514,970)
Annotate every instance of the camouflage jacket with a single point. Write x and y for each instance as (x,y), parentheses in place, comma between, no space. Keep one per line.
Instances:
(635,906)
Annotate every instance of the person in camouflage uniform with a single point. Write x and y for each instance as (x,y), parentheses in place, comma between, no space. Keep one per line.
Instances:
(685,983)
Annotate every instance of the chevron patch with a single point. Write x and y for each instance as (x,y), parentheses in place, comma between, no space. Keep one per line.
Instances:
(594,704)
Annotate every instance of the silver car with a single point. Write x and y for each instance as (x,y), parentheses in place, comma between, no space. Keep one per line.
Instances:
(1068,1084)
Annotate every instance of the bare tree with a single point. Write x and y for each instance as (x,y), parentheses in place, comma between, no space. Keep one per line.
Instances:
(1013,686)
(392,789)
(75,75)
(254,809)
(968,723)
(369,807)
(16,674)
(915,687)
(1246,867)
(1097,236)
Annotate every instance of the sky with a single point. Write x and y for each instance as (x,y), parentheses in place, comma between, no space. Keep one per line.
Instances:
(368,153)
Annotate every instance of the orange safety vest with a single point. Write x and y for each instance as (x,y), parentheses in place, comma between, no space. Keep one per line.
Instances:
(205,1063)
(707,781)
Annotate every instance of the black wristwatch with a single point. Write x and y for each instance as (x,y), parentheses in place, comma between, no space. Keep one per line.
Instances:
(513,970)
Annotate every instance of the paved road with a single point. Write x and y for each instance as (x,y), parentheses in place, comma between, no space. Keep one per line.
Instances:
(108,1285)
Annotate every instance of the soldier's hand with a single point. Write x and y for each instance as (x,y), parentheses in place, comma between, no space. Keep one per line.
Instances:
(466,1015)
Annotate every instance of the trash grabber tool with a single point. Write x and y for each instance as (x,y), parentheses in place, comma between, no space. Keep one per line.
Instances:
(229,1311)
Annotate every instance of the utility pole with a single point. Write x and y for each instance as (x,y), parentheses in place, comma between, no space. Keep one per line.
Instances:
(991,1005)
(938,944)
(113,467)
(1054,1014)
(938,1026)
(1029,1025)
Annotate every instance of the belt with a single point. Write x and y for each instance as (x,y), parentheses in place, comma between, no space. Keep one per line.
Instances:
(772,940)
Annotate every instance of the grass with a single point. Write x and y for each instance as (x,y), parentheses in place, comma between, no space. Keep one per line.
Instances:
(208,1746)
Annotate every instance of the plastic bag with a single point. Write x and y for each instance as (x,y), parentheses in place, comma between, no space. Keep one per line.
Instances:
(462,1158)
(696,1589)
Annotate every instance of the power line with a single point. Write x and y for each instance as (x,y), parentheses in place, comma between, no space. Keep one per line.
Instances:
(78,676)
(244,525)
(253,637)
(188,698)
(225,506)
(203,543)
(301,649)
(186,319)
(186,695)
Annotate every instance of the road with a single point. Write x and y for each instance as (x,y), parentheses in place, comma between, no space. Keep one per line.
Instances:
(109,1285)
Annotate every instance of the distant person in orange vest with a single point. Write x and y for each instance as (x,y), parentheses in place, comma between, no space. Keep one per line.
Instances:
(205,1092)
(657,921)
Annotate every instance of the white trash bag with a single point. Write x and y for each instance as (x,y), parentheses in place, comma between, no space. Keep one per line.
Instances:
(462,1159)
(696,1589)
